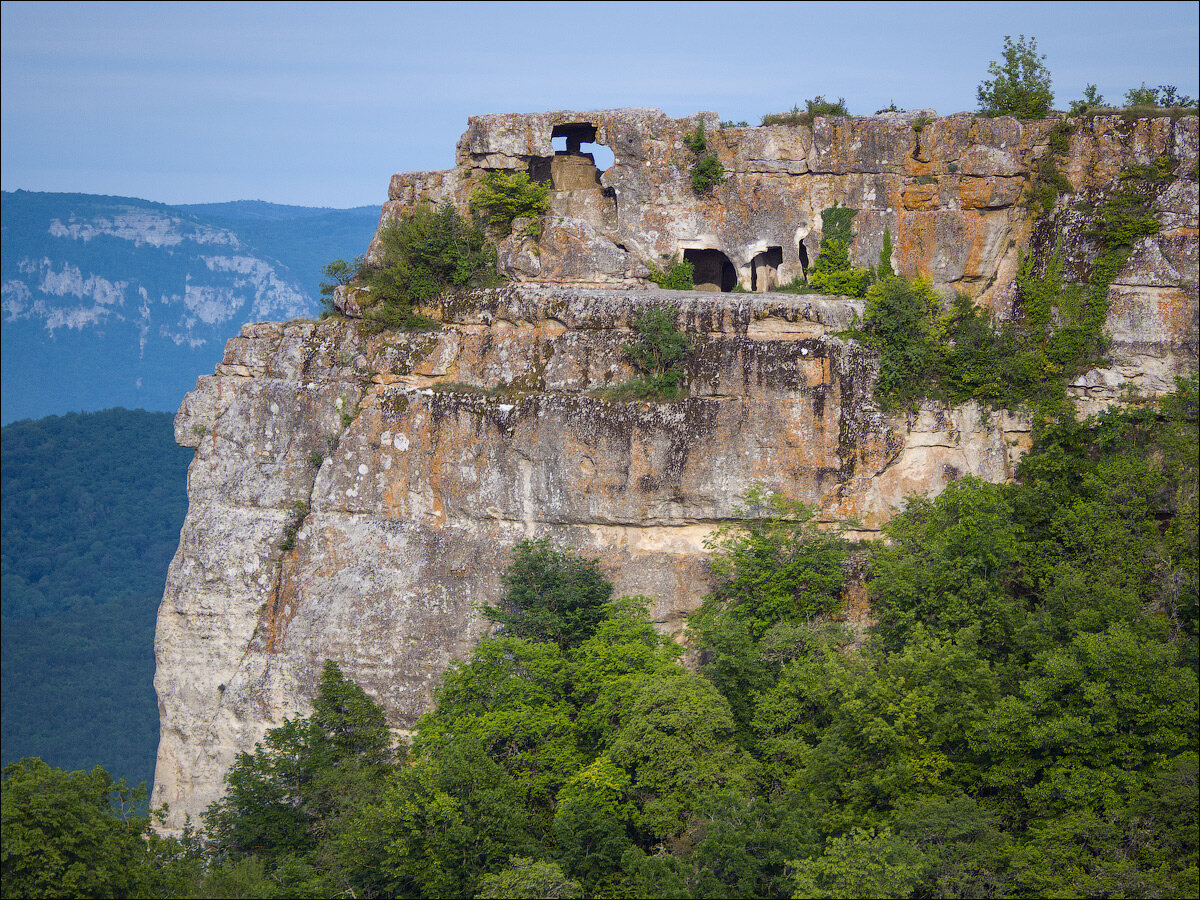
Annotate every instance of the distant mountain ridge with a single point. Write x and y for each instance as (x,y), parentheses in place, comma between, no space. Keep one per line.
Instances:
(118,301)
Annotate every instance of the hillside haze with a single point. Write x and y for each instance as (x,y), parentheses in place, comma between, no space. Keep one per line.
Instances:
(118,301)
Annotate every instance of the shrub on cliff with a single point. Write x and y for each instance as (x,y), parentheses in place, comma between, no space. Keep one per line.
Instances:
(428,251)
(707,171)
(1165,96)
(817,106)
(340,273)
(674,275)
(832,271)
(1020,86)
(502,197)
(658,354)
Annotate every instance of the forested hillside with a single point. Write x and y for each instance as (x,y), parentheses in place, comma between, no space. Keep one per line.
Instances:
(1019,720)
(91,512)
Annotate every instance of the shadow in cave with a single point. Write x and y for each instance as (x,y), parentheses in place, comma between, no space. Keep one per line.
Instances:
(712,270)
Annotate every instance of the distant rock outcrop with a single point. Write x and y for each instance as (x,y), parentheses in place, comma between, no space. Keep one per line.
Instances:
(116,301)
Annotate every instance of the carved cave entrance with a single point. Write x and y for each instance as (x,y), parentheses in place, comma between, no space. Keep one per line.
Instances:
(803,259)
(764,269)
(713,270)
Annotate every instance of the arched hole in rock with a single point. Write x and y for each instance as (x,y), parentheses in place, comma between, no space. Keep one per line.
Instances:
(713,270)
(578,160)
(764,269)
(803,259)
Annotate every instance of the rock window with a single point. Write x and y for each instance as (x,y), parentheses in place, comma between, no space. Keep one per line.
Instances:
(571,168)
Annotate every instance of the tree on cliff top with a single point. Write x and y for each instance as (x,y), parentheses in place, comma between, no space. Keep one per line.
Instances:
(1020,86)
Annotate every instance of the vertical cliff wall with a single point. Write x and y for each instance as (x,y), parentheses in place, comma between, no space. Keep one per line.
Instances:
(418,460)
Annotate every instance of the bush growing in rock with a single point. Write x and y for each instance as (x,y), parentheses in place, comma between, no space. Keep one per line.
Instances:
(502,197)
(429,250)
(674,275)
(707,171)
(1020,86)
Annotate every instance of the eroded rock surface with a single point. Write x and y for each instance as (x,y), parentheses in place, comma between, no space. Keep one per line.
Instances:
(949,189)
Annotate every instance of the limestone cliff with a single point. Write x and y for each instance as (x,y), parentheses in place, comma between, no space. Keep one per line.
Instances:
(420,459)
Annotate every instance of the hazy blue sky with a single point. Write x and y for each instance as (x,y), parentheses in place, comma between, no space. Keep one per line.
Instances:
(317,104)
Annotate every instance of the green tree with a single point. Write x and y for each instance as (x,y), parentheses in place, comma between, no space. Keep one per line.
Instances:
(950,564)
(901,321)
(71,834)
(707,171)
(525,878)
(303,783)
(776,571)
(504,196)
(551,595)
(866,862)
(1020,86)
(677,741)
(339,272)
(661,347)
(591,818)
(430,250)
(832,272)
(1165,96)
(1090,100)
(885,270)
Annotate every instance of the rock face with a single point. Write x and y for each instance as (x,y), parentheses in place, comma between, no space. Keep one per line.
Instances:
(412,464)
(950,190)
(417,495)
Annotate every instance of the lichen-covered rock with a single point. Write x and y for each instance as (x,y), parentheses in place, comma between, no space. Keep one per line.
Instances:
(950,190)
(425,457)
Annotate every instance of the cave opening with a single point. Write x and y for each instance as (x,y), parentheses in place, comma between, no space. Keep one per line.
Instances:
(712,270)
(764,269)
(803,259)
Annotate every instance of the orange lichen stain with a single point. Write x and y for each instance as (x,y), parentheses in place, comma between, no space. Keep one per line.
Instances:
(394,497)
(917,167)
(814,371)
(975,193)
(281,607)
(920,196)
(1175,312)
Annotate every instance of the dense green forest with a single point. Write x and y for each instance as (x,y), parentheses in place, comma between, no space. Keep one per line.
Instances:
(91,509)
(1020,720)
